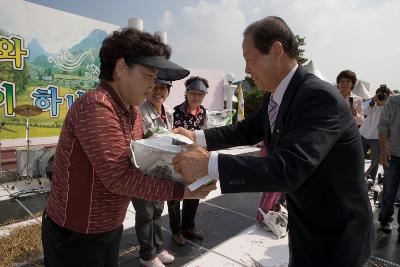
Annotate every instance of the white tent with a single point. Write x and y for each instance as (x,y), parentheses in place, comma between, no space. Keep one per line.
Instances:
(360,90)
(366,84)
(312,68)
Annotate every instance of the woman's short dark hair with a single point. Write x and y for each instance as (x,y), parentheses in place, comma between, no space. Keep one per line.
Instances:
(128,43)
(347,74)
(194,78)
(269,30)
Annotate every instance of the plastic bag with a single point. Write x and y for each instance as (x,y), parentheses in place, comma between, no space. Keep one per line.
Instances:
(268,201)
(276,221)
(153,156)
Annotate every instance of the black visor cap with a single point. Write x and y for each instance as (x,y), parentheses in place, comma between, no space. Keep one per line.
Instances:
(167,70)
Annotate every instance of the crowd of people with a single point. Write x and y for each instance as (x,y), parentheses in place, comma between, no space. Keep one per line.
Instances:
(304,139)
(379,126)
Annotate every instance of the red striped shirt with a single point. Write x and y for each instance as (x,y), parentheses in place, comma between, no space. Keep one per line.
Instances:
(93,179)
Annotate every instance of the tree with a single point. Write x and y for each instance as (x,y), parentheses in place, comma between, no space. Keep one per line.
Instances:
(252,97)
(6,68)
(300,41)
(250,81)
(21,79)
(6,71)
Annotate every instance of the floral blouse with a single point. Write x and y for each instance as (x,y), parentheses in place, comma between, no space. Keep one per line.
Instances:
(183,118)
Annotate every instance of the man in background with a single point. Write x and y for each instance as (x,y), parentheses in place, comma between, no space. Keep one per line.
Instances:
(369,128)
(389,141)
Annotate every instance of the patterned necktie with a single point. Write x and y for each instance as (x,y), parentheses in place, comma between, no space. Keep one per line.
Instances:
(268,200)
(272,112)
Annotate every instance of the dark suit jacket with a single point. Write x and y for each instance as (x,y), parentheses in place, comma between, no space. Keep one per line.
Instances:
(315,156)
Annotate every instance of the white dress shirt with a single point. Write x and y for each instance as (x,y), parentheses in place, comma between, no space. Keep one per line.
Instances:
(369,128)
(277,95)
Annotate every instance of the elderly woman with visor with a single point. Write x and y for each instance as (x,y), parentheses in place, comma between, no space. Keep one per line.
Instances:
(148,213)
(190,115)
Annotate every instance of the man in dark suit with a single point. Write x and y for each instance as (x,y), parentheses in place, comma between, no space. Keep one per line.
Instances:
(314,153)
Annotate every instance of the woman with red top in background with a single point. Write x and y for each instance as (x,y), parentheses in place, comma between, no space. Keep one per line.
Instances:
(192,116)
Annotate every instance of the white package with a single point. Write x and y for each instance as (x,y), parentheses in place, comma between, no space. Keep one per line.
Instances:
(153,156)
(276,221)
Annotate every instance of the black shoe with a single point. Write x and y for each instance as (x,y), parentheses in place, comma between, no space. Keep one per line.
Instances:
(397,203)
(386,228)
(192,234)
(178,240)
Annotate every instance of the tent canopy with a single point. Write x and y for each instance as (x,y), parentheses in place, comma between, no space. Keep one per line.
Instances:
(312,68)
(360,88)
(361,91)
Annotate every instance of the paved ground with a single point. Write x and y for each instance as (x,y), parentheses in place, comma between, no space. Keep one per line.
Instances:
(228,219)
(228,225)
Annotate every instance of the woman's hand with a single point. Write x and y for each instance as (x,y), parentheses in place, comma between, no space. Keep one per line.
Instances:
(189,134)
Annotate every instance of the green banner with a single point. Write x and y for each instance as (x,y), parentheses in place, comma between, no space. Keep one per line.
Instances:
(45,63)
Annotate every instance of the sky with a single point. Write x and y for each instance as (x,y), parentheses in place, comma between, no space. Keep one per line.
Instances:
(44,24)
(361,35)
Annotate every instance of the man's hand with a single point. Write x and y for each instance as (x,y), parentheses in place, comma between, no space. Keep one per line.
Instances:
(185,132)
(385,157)
(192,163)
(384,148)
(201,192)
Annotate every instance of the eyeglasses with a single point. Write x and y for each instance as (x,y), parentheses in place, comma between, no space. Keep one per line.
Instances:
(149,74)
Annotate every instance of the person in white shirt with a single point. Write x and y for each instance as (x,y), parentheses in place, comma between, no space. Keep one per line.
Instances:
(369,128)
(346,80)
